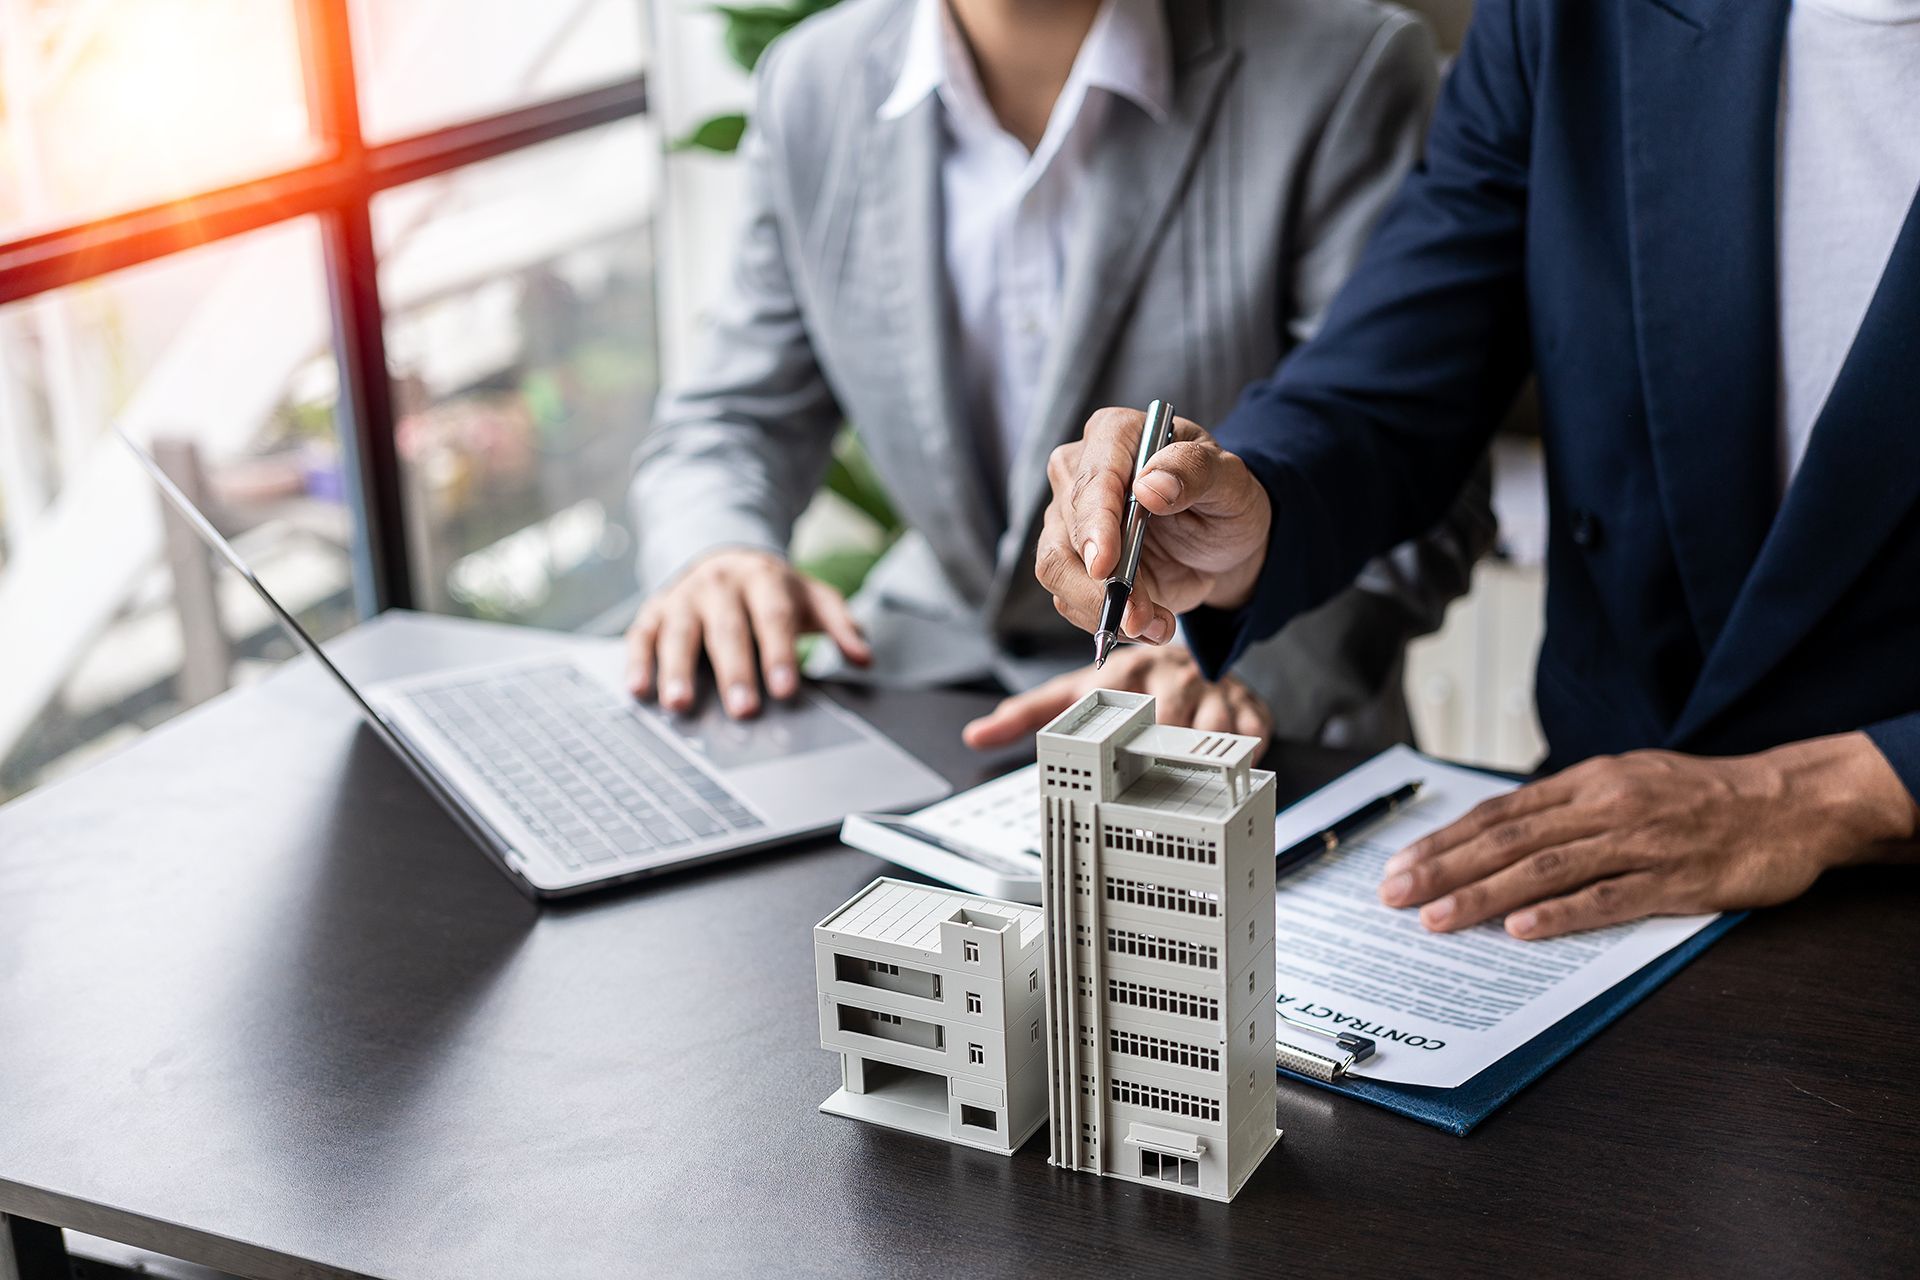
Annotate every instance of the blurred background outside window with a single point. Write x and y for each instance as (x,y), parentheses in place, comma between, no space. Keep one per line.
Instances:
(520,334)
(390,285)
(192,208)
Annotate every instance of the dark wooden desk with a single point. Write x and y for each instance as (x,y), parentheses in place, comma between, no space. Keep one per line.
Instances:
(262,1008)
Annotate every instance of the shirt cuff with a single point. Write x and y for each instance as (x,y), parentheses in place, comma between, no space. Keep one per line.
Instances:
(667,550)
(1899,741)
(1283,588)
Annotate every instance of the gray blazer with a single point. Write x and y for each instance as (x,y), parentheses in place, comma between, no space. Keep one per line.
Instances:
(1211,244)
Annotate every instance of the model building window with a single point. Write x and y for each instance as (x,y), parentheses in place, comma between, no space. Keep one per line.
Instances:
(1169,1169)
(1169,1100)
(1033,979)
(1166,1001)
(973,1002)
(976,1054)
(1197,902)
(1033,1032)
(972,951)
(1162,1050)
(1170,950)
(978,1117)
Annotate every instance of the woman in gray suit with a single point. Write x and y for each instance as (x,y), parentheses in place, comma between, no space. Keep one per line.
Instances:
(971,222)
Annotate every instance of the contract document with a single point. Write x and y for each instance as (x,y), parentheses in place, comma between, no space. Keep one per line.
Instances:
(1440,1008)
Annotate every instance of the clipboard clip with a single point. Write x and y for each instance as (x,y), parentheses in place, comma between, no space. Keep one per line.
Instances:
(1325,1067)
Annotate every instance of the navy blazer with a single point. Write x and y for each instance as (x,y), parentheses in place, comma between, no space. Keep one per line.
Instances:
(1597,207)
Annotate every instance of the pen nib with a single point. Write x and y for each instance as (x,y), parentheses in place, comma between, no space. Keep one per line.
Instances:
(1102,646)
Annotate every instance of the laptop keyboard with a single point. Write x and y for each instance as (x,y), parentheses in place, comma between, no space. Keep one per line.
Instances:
(578,767)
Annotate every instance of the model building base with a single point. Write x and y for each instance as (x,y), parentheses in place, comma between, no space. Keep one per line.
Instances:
(934,1001)
(922,1111)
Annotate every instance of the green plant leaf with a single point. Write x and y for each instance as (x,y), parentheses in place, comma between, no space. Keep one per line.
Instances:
(851,478)
(844,571)
(720,134)
(751,28)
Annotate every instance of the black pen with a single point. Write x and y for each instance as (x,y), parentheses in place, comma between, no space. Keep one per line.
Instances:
(1345,829)
(1153,437)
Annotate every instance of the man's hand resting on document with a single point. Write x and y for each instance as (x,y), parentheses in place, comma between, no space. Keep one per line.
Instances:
(747,609)
(1185,698)
(1204,546)
(1656,833)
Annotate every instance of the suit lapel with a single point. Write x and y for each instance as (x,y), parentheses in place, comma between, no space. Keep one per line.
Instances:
(1700,97)
(1140,171)
(901,183)
(1860,477)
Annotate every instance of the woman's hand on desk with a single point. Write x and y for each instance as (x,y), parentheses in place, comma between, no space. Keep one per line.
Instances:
(748,609)
(1655,833)
(1185,698)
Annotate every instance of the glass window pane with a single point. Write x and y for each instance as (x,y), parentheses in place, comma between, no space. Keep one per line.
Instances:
(221,359)
(520,333)
(108,107)
(426,63)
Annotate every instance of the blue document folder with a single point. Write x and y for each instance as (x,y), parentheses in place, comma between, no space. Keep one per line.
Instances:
(1459,1109)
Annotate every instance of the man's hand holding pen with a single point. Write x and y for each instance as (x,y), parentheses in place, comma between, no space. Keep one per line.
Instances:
(1205,545)
(1613,839)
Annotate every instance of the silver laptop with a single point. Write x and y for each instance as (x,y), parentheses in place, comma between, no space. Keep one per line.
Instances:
(569,784)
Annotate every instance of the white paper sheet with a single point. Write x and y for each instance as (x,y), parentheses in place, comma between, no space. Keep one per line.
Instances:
(1001,816)
(1440,1007)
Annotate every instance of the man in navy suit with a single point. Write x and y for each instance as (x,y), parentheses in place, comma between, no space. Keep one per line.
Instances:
(1693,221)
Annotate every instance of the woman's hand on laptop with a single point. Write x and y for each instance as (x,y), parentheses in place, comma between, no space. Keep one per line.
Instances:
(1185,698)
(747,608)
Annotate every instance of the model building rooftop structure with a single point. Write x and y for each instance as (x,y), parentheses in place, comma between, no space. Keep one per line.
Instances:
(911,915)
(935,1002)
(1157,844)
(1153,765)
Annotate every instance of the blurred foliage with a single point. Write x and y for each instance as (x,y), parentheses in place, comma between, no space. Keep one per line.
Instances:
(752,27)
(719,134)
(747,31)
(851,478)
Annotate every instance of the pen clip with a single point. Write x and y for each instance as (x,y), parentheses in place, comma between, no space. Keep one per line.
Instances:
(1355,1049)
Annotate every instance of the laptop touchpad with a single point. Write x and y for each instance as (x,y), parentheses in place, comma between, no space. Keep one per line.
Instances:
(781,731)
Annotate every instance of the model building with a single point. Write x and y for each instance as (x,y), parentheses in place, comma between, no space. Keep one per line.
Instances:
(1158,894)
(934,1001)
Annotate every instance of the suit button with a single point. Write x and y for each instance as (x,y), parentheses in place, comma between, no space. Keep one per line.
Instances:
(1586,530)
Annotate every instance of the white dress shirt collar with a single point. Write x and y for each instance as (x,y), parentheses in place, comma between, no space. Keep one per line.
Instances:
(1011,221)
(1127,52)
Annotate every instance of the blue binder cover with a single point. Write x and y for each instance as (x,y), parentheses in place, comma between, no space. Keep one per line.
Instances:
(1459,1109)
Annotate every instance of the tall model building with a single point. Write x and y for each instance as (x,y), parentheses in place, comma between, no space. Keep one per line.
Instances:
(1158,894)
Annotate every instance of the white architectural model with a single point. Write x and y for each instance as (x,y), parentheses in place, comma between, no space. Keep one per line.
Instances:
(1158,893)
(935,1002)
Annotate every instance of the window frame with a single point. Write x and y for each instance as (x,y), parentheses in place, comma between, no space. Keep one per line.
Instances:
(337,188)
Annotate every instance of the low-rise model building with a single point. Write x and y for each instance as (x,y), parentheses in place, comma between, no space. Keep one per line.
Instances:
(934,1001)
